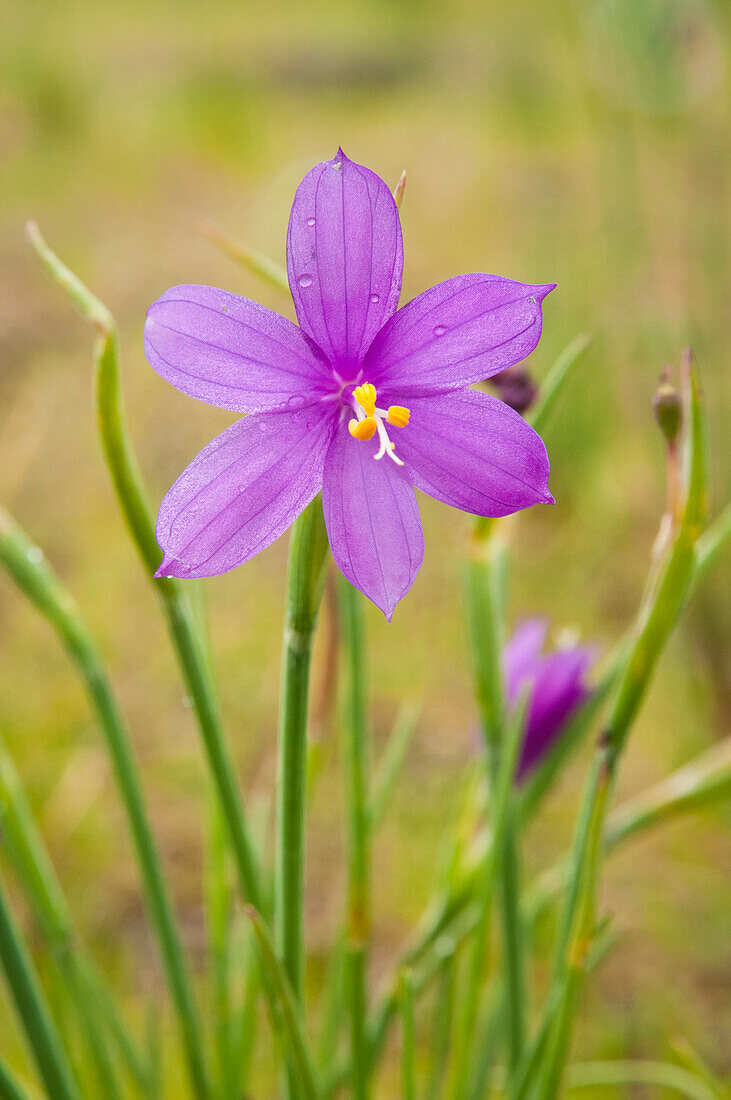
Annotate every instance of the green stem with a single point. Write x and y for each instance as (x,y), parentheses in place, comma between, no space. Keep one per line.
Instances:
(355,746)
(218,910)
(44,589)
(513,941)
(25,989)
(408,1036)
(486,597)
(503,807)
(306,575)
(186,637)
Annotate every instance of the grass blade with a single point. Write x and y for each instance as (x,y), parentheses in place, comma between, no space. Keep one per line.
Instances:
(25,989)
(290,1030)
(36,580)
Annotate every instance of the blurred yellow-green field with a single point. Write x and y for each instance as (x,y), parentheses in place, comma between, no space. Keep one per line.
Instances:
(581,143)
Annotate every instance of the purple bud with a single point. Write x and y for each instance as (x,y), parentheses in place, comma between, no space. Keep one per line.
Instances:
(516,388)
(557,688)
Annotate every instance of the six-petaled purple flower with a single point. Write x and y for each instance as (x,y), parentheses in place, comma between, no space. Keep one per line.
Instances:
(556,686)
(361,401)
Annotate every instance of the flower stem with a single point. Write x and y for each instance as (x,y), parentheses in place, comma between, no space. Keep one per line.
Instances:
(355,746)
(25,989)
(307,555)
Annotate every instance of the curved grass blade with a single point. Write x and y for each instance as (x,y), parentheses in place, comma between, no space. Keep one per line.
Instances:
(662,1075)
(256,262)
(37,581)
(290,1028)
(25,989)
(554,381)
(185,635)
(26,851)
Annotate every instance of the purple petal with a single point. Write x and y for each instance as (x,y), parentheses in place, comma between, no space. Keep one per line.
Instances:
(521,655)
(558,690)
(231,352)
(459,332)
(472,451)
(372,520)
(345,258)
(242,492)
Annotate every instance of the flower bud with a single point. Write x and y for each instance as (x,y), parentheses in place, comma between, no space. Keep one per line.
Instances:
(667,407)
(516,388)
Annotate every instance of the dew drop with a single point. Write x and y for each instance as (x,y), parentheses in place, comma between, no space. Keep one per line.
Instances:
(262,427)
(439,330)
(34,554)
(296,401)
(375,298)
(305,280)
(310,222)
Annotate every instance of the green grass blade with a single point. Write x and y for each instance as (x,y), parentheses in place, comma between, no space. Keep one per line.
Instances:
(408,1036)
(37,581)
(25,990)
(10,1087)
(555,380)
(661,1075)
(185,634)
(291,1032)
(392,760)
(255,262)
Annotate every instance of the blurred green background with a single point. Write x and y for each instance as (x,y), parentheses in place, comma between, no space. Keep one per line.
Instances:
(581,143)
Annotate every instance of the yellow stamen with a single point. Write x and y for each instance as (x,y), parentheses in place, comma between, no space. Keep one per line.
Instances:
(365,395)
(398,415)
(363,429)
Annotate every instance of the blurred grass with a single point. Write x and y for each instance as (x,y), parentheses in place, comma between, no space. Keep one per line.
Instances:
(583,144)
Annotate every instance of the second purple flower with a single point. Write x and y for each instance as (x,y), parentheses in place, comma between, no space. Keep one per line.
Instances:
(361,401)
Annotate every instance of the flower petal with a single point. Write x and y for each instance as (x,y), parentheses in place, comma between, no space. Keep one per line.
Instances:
(242,492)
(372,520)
(459,332)
(472,451)
(345,258)
(231,352)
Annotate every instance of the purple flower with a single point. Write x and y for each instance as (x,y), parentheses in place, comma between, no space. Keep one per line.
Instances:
(557,687)
(360,401)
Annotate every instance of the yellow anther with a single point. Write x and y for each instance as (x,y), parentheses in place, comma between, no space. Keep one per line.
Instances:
(363,429)
(398,416)
(365,395)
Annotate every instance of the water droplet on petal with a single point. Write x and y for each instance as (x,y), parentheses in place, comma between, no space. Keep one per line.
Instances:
(305,280)
(262,426)
(310,222)
(439,330)
(296,401)
(375,298)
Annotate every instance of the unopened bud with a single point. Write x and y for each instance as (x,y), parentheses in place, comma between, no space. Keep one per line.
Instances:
(516,388)
(667,407)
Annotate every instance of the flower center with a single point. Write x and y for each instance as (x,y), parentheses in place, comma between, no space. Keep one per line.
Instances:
(371,419)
